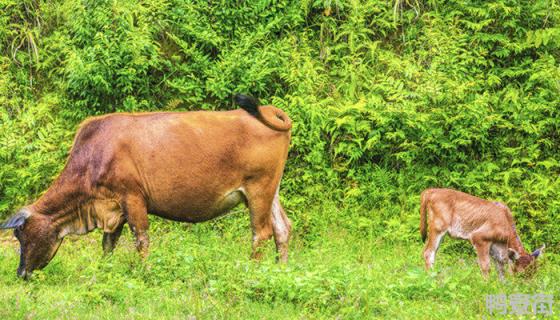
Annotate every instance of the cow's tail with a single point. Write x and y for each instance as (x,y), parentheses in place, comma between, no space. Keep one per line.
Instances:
(270,115)
(423,212)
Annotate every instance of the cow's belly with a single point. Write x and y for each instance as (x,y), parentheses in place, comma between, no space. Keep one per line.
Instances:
(200,208)
(458,231)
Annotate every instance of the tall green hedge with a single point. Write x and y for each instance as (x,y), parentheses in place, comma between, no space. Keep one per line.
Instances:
(387,97)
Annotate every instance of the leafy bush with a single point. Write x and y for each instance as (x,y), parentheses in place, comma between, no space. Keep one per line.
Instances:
(387,98)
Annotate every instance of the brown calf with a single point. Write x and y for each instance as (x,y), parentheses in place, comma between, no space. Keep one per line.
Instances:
(489,226)
(183,166)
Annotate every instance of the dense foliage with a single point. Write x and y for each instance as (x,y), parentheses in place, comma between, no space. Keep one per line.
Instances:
(387,97)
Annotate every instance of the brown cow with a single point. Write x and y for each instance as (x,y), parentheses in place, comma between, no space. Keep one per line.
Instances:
(183,166)
(489,226)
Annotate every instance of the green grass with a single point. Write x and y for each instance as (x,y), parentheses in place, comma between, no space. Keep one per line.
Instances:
(203,271)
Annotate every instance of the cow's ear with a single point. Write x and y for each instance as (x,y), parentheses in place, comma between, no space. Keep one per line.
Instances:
(16,221)
(538,252)
(513,254)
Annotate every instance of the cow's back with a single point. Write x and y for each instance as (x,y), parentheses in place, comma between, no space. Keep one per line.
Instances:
(465,213)
(180,162)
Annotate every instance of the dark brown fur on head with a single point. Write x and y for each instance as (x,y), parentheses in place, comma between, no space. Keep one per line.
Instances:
(38,243)
(525,263)
(521,264)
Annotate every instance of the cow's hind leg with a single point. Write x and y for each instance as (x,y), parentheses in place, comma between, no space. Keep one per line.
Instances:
(432,246)
(135,210)
(110,239)
(282,227)
(260,204)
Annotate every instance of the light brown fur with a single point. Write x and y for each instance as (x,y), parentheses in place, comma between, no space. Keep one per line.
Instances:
(183,166)
(489,226)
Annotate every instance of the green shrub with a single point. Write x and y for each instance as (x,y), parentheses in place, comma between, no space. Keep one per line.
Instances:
(387,98)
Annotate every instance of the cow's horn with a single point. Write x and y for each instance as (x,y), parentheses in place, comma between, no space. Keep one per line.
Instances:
(16,220)
(538,252)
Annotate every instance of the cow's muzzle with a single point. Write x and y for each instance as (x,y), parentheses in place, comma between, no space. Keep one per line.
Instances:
(24,274)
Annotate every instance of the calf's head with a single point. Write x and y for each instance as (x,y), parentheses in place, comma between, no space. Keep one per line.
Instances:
(524,262)
(37,238)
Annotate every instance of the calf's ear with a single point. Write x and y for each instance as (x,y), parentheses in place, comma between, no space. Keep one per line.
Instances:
(538,252)
(513,254)
(17,220)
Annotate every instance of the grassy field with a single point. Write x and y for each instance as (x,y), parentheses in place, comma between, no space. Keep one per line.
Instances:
(203,272)
(387,98)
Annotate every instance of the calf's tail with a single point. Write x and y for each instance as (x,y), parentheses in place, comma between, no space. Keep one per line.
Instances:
(273,117)
(423,212)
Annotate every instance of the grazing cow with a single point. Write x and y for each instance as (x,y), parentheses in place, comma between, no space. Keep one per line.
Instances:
(183,166)
(489,226)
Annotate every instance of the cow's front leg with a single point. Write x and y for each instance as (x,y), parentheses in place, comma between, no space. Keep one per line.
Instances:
(499,254)
(136,212)
(483,252)
(500,265)
(110,239)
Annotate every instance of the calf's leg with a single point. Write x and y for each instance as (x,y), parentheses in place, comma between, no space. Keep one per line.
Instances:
(499,254)
(500,267)
(432,245)
(483,252)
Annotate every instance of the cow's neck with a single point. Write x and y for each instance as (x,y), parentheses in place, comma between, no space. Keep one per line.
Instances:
(64,195)
(78,214)
(66,207)
(79,219)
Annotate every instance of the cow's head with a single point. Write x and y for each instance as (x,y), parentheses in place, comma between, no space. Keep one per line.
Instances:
(523,262)
(37,238)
